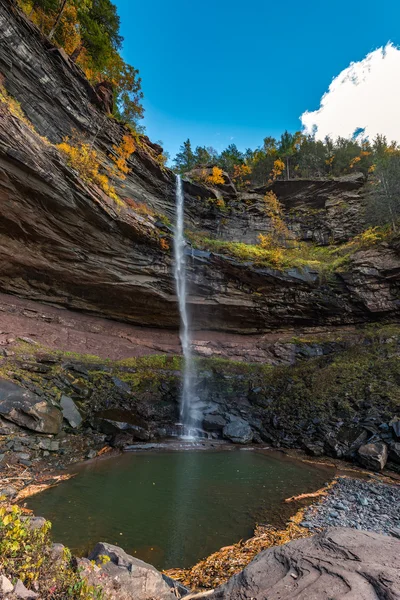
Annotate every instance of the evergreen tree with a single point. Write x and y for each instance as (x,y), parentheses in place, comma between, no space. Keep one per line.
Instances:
(229,158)
(99,29)
(185,160)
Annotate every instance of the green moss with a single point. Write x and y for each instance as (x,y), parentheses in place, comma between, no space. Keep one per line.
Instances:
(325,260)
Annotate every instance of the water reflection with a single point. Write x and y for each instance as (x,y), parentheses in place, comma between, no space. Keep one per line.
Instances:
(173,508)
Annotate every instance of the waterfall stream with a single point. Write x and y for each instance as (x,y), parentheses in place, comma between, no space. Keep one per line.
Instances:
(181,291)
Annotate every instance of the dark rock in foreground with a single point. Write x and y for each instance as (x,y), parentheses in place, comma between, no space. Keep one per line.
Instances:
(127,578)
(339,563)
(27,409)
(373,456)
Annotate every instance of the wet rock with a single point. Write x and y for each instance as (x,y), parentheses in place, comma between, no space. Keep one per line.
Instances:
(330,565)
(373,456)
(20,591)
(213,423)
(70,412)
(26,409)
(91,454)
(238,432)
(133,578)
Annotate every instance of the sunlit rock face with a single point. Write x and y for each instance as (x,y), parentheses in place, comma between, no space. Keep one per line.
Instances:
(65,242)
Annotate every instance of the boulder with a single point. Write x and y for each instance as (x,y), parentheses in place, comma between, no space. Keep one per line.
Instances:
(395,423)
(20,591)
(338,563)
(213,423)
(70,412)
(5,585)
(114,428)
(238,432)
(27,409)
(394,452)
(128,578)
(373,456)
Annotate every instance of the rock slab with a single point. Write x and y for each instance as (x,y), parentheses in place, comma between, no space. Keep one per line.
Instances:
(373,456)
(128,578)
(336,564)
(24,408)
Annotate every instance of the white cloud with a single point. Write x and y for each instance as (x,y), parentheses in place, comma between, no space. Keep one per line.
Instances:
(366,95)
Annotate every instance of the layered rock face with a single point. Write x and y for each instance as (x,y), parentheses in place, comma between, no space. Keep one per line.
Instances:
(64,241)
(336,564)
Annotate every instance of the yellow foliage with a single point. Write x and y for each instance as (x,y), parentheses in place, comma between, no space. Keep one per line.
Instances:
(370,237)
(240,174)
(278,168)
(216,177)
(164,245)
(280,232)
(220,566)
(26,555)
(329,161)
(140,208)
(123,152)
(354,161)
(84,159)
(14,107)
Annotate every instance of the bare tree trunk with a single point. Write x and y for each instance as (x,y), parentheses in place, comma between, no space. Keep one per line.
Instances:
(287,168)
(58,19)
(76,53)
(32,10)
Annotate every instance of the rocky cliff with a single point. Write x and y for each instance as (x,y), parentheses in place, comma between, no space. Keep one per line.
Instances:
(65,242)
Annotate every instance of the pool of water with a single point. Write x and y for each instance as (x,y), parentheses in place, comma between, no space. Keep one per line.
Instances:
(173,508)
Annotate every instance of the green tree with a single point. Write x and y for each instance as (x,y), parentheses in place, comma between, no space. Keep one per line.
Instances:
(205,156)
(47,6)
(230,157)
(287,148)
(99,29)
(383,202)
(185,160)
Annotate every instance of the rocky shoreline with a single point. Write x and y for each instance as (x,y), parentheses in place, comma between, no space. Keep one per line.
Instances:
(358,504)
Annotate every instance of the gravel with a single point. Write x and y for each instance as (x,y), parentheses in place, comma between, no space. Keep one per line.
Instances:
(358,504)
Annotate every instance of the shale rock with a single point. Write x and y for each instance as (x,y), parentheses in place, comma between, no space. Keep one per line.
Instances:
(70,411)
(127,578)
(27,409)
(373,456)
(133,280)
(332,565)
(238,432)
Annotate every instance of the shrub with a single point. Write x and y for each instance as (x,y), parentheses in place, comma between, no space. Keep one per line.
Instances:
(26,555)
(216,177)
(122,153)
(84,159)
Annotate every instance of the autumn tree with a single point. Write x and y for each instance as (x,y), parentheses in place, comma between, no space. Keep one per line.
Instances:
(279,234)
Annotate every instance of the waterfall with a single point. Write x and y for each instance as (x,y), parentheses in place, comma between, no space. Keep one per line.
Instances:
(180,280)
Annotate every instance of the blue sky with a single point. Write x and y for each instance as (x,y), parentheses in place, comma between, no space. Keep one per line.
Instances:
(224,71)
